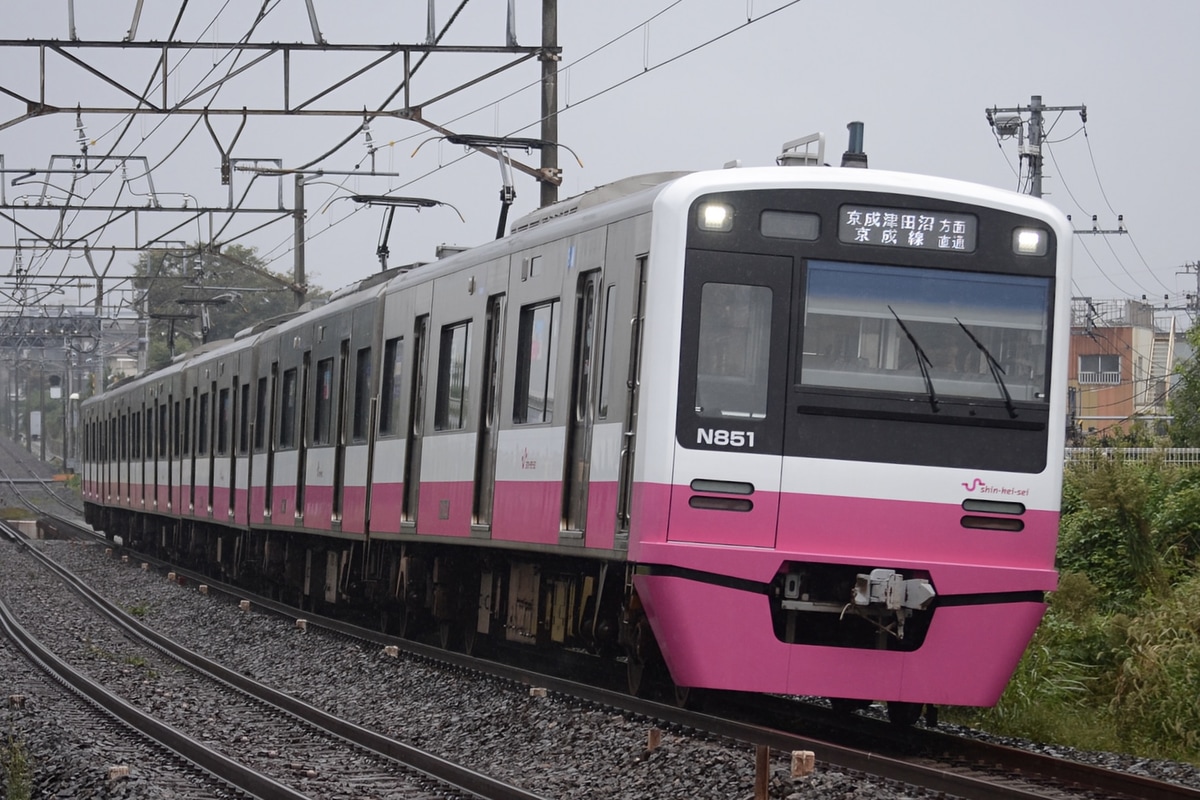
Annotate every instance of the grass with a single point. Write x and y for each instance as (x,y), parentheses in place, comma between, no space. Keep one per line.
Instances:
(1107,681)
(17,769)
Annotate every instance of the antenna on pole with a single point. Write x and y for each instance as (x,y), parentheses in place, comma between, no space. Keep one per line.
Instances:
(1030,145)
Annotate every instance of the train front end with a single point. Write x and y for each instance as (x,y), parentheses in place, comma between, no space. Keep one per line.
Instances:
(851,432)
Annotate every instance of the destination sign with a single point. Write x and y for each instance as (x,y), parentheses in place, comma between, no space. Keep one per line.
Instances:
(907,228)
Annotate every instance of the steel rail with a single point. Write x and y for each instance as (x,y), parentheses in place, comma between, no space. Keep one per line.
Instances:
(434,767)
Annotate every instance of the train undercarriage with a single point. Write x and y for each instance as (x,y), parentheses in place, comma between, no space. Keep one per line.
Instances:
(468,598)
(459,597)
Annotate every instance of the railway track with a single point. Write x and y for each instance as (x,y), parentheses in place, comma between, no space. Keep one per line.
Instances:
(20,474)
(948,764)
(310,752)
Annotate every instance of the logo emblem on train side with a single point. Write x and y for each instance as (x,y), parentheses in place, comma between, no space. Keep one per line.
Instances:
(977,485)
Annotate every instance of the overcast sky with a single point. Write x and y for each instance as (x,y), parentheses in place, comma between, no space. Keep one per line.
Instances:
(919,74)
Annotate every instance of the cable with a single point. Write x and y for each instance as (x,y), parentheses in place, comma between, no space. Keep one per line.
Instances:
(537,121)
(263,11)
(1092,156)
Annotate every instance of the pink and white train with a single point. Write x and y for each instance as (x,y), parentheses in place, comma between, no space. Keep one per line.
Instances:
(782,429)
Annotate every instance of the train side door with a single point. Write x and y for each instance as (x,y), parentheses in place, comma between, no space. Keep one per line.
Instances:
(416,420)
(485,445)
(632,385)
(732,399)
(339,432)
(302,434)
(578,453)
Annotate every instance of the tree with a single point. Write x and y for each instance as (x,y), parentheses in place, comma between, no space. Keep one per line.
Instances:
(196,295)
(1184,402)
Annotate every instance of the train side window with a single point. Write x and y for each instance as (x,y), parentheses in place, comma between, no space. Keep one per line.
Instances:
(734,351)
(323,406)
(163,415)
(243,445)
(454,380)
(606,356)
(223,419)
(187,426)
(362,394)
(260,415)
(534,397)
(287,411)
(202,433)
(389,394)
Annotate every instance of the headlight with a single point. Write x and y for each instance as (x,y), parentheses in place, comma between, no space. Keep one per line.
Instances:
(716,217)
(1030,241)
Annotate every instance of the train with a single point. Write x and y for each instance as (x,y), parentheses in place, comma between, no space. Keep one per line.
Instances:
(792,429)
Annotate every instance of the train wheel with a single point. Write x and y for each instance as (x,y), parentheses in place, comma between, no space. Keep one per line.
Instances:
(470,637)
(639,659)
(635,676)
(689,697)
(405,626)
(445,634)
(904,714)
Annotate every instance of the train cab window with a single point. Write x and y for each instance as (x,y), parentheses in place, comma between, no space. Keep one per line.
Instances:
(912,330)
(389,393)
(224,412)
(734,351)
(536,335)
(453,380)
(323,405)
(287,410)
(362,394)
(203,423)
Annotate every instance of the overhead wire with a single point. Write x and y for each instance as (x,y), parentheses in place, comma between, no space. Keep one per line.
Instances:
(268,6)
(130,118)
(647,70)
(1087,213)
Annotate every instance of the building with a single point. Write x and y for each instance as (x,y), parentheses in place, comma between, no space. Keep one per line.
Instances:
(1121,362)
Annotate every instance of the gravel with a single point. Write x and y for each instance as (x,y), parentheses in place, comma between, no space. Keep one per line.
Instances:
(549,745)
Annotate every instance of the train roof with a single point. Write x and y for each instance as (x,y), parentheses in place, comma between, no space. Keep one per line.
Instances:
(594,197)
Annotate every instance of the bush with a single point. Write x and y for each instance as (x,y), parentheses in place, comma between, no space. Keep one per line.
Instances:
(1108,527)
(1154,705)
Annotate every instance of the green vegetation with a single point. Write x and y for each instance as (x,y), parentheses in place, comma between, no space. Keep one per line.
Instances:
(1115,664)
(140,610)
(16,770)
(197,295)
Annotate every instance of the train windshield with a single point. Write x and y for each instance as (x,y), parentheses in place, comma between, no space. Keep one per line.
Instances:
(913,330)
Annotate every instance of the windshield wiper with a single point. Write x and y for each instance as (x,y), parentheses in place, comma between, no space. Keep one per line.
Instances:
(994,367)
(923,361)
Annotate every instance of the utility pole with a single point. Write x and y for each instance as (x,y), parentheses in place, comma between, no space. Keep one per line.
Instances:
(551,175)
(1015,125)
(1193,300)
